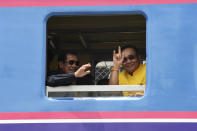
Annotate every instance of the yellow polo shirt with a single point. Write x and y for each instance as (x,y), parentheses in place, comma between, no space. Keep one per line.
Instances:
(138,78)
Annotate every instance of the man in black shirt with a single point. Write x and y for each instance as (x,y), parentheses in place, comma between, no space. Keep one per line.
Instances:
(70,72)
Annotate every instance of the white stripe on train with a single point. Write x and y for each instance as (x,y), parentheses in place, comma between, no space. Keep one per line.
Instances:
(99,121)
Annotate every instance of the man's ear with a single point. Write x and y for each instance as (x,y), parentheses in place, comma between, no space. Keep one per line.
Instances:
(60,65)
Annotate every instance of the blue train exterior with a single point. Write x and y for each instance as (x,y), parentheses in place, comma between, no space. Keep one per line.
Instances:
(171,89)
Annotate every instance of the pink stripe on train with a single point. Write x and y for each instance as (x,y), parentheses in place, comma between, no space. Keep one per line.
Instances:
(99,115)
(37,3)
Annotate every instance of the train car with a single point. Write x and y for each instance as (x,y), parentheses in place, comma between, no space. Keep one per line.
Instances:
(165,32)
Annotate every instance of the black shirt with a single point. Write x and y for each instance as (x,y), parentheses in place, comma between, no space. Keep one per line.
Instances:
(61,79)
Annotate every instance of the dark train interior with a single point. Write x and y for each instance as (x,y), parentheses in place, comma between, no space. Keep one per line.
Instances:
(94,37)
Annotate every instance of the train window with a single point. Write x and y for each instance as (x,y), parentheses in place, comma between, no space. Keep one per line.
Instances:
(80,56)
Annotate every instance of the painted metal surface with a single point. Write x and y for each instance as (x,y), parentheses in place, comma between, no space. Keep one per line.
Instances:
(171,59)
(101,127)
(110,121)
(37,3)
(171,67)
(98,115)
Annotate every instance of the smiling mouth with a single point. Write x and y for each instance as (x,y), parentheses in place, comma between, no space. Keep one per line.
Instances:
(130,64)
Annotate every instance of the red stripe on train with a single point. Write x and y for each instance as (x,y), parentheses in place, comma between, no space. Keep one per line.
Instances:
(36,3)
(99,115)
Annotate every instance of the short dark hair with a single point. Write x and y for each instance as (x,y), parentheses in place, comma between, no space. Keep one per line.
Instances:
(63,55)
(132,47)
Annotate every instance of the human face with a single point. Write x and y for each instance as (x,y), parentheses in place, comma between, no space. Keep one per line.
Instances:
(71,64)
(131,61)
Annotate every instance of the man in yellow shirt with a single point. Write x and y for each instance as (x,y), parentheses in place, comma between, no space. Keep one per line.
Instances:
(133,72)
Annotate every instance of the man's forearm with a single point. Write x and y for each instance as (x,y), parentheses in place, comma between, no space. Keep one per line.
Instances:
(114,78)
(60,79)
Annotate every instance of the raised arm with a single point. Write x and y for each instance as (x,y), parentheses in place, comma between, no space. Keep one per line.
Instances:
(82,71)
(60,79)
(67,79)
(117,61)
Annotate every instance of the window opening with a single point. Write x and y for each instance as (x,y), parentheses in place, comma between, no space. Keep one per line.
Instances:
(93,38)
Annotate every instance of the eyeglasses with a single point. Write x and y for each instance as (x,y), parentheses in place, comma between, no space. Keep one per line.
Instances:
(130,57)
(71,62)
